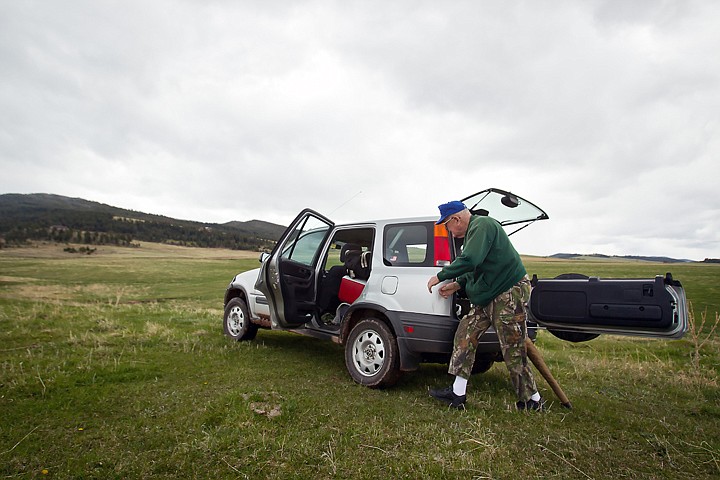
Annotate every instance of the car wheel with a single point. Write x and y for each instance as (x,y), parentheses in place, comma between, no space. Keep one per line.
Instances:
(371,354)
(236,321)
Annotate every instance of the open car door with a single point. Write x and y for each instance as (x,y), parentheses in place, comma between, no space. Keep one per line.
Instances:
(287,275)
(654,307)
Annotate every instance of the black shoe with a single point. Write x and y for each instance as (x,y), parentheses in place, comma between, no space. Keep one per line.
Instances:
(446,395)
(531,405)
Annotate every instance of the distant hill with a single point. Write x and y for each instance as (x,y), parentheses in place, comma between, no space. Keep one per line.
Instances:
(259,228)
(42,216)
(578,256)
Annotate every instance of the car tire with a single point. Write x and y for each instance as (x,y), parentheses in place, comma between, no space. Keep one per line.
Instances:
(371,354)
(574,337)
(236,321)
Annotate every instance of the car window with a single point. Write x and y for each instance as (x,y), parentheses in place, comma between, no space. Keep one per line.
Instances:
(362,237)
(333,257)
(305,241)
(407,245)
(505,207)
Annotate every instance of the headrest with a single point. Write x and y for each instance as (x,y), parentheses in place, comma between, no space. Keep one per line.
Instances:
(348,247)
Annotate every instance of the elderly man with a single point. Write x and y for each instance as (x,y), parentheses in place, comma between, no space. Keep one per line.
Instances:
(494,279)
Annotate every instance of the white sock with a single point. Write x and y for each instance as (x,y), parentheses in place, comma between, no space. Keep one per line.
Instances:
(460,386)
(535,397)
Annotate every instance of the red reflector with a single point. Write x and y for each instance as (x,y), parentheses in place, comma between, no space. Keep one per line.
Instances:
(409,329)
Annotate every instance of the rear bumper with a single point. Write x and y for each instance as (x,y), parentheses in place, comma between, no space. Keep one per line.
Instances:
(429,338)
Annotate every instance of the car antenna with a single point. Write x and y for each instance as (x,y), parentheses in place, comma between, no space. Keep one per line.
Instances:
(345,202)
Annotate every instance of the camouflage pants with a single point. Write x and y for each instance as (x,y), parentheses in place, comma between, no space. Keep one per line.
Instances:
(508,314)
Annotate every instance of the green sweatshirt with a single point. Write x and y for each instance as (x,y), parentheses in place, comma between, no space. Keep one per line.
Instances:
(488,265)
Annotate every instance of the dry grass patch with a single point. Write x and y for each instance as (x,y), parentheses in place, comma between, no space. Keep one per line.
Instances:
(73,294)
(154,329)
(146,249)
(9,279)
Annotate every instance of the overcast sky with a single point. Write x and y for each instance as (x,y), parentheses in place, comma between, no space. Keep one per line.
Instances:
(604,113)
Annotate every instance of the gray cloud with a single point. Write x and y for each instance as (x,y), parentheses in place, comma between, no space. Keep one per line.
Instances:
(604,113)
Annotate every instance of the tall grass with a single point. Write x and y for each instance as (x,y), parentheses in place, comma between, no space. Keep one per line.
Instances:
(114,365)
(701,333)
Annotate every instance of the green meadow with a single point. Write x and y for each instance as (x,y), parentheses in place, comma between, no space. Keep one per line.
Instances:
(114,365)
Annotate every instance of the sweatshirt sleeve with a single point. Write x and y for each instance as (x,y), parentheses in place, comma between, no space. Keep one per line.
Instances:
(477,245)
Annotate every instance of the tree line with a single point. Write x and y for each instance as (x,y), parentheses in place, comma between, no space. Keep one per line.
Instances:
(99,228)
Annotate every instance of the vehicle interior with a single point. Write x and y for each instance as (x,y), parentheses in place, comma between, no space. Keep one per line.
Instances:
(347,263)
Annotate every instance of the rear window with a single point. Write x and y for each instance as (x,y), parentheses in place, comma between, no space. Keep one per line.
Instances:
(362,237)
(408,245)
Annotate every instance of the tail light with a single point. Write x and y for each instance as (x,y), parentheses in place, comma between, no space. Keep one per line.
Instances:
(442,246)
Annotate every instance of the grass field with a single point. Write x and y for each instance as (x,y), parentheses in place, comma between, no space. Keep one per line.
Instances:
(113,365)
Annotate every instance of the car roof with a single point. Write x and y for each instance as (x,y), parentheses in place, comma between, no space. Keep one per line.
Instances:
(389,220)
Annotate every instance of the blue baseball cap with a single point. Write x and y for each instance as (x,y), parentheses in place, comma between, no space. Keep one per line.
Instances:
(450,208)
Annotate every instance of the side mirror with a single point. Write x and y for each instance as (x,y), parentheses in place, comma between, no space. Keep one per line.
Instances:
(264,256)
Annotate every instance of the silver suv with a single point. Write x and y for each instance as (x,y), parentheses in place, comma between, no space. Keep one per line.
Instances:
(363,285)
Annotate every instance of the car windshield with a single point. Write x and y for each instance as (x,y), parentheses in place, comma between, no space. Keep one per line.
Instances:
(505,207)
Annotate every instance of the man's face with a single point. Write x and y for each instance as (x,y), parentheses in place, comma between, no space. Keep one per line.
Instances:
(456,226)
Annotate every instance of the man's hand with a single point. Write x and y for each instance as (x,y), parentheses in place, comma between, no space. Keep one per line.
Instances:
(432,282)
(448,289)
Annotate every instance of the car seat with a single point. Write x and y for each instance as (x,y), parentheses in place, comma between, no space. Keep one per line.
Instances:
(356,261)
